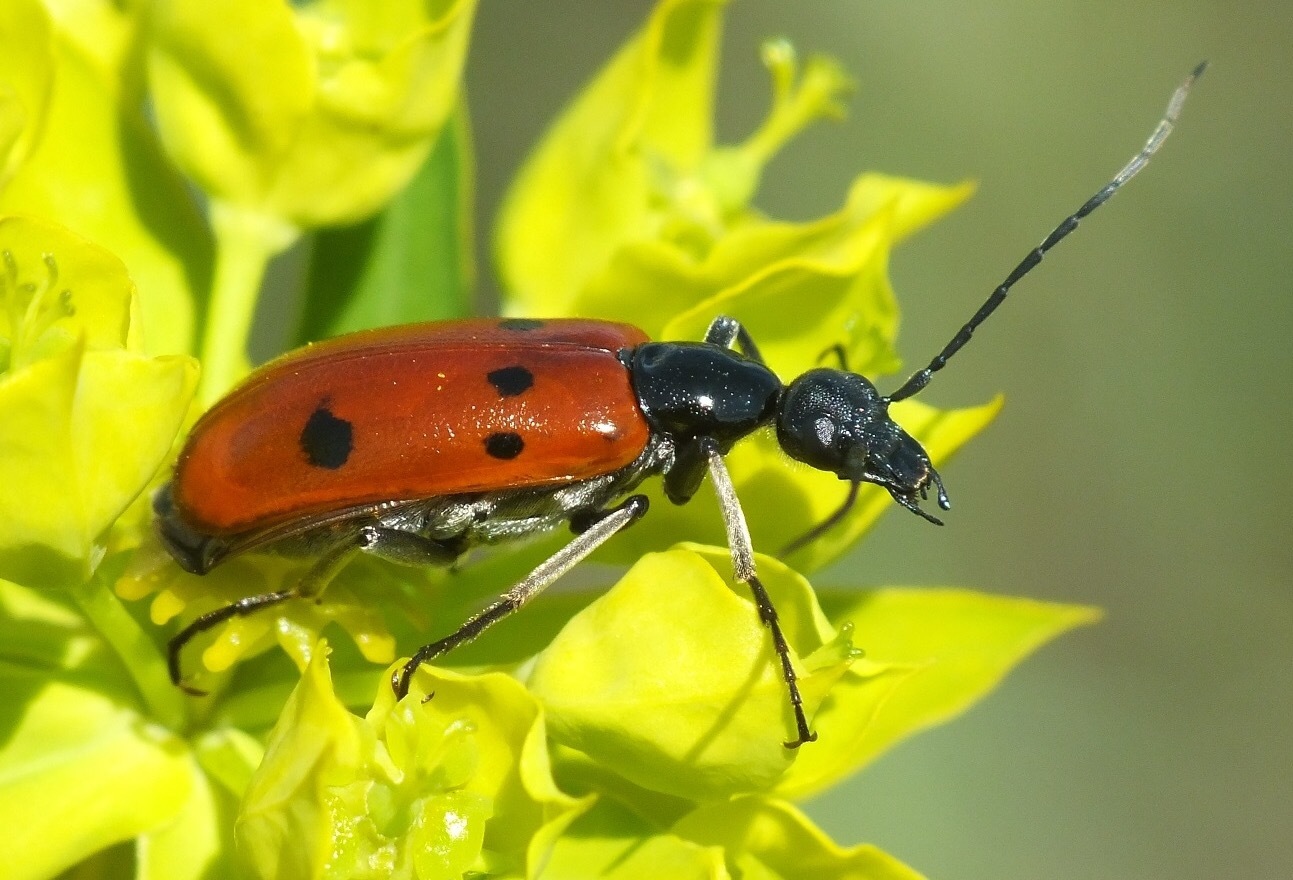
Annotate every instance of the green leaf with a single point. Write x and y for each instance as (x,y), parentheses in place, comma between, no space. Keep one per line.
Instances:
(669,679)
(198,843)
(229,757)
(770,839)
(412,262)
(613,843)
(312,113)
(959,644)
(41,635)
(60,681)
(579,774)
(457,595)
(112,863)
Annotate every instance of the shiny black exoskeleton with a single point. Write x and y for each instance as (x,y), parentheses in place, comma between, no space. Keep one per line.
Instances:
(833,420)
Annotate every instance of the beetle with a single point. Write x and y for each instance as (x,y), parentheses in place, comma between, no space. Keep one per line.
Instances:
(417,443)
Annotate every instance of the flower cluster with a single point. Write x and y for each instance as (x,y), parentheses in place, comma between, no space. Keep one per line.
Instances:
(632,730)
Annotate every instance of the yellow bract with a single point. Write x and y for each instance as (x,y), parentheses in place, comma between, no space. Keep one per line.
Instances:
(669,679)
(85,418)
(957,646)
(628,210)
(424,788)
(26,75)
(664,698)
(767,838)
(598,178)
(75,148)
(311,113)
(80,749)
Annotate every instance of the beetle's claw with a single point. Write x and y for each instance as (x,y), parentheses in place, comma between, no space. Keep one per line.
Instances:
(794,744)
(191,690)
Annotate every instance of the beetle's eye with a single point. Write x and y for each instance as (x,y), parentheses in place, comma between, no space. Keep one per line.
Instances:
(825,429)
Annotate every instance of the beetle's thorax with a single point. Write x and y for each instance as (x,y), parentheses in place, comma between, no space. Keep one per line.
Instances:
(688,390)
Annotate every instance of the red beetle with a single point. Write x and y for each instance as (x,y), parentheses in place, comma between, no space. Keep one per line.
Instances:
(417,443)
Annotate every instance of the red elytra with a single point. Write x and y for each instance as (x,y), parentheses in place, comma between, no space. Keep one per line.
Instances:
(413,412)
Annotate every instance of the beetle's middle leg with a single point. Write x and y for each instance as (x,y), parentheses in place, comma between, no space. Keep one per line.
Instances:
(594,528)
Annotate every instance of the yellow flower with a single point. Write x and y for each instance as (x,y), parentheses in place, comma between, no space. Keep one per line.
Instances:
(86,418)
(310,113)
(75,149)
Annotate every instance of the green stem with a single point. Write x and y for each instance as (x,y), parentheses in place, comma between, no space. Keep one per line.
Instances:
(245,243)
(138,652)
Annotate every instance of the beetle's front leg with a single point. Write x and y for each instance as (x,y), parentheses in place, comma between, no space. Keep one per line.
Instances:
(598,527)
(738,540)
(731,333)
(687,472)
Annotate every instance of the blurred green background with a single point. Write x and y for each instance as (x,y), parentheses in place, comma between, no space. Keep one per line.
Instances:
(1140,462)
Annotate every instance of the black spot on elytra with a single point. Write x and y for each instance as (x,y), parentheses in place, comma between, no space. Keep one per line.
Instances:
(327,440)
(519,324)
(504,445)
(511,381)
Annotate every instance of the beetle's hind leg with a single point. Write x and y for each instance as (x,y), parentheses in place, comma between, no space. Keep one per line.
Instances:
(594,529)
(311,584)
(395,545)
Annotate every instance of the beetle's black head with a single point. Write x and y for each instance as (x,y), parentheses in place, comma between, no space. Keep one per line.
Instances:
(836,421)
(197,553)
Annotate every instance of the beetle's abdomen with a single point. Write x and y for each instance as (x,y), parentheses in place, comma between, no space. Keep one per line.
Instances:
(444,409)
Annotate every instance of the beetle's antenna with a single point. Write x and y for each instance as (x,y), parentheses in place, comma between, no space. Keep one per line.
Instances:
(918,381)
